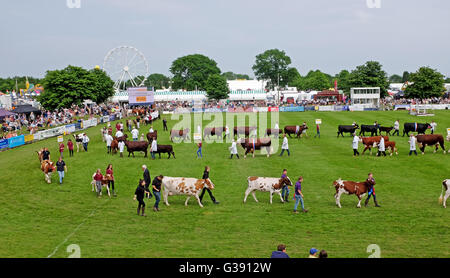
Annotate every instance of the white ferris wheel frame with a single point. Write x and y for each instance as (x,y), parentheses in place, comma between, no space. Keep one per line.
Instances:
(127,69)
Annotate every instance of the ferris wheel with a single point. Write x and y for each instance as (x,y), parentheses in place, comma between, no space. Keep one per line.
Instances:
(126,66)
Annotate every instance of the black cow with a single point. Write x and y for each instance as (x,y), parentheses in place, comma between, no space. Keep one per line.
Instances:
(386,129)
(347,128)
(373,129)
(415,127)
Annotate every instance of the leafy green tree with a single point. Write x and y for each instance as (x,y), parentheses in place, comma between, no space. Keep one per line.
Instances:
(370,74)
(343,81)
(447,80)
(395,78)
(229,75)
(192,71)
(272,65)
(291,77)
(216,87)
(426,83)
(405,76)
(73,85)
(157,81)
(9,84)
(316,80)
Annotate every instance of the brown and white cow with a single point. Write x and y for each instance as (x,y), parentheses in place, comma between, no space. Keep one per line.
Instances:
(371,142)
(48,168)
(445,187)
(105,180)
(272,185)
(185,186)
(40,154)
(430,140)
(350,187)
(390,145)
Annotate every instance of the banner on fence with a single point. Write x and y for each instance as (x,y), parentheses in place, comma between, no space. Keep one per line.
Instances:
(29,138)
(326,108)
(402,106)
(16,141)
(261,109)
(71,128)
(89,123)
(292,109)
(3,144)
(274,109)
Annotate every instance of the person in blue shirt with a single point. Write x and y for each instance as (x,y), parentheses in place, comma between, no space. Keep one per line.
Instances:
(299,195)
(280,253)
(285,189)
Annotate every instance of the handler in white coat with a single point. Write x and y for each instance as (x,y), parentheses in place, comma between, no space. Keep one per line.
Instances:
(412,144)
(381,147)
(153,148)
(355,144)
(233,149)
(285,146)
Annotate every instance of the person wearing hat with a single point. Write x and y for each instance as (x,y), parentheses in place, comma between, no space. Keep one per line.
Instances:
(280,253)
(313,253)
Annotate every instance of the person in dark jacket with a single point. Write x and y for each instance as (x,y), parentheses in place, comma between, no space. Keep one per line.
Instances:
(165,125)
(156,184)
(206,176)
(46,154)
(280,253)
(147,180)
(139,196)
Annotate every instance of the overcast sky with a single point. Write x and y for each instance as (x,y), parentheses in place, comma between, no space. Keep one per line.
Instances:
(329,35)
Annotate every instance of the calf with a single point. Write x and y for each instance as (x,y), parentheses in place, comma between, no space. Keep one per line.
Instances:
(391,146)
(350,187)
(105,180)
(430,140)
(373,129)
(386,129)
(274,131)
(185,186)
(272,185)
(446,188)
(114,146)
(40,154)
(48,168)
(292,129)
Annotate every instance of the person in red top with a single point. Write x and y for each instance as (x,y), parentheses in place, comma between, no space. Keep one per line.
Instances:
(98,177)
(110,177)
(118,126)
(70,147)
(61,149)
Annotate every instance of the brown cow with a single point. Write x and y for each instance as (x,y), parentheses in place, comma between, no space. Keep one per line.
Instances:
(246,130)
(48,168)
(40,154)
(391,146)
(182,133)
(136,146)
(122,138)
(292,129)
(105,180)
(350,187)
(430,140)
(251,145)
(165,149)
(273,131)
(114,146)
(152,135)
(370,142)
(211,131)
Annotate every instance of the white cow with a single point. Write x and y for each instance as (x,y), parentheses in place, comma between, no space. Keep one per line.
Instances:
(272,185)
(185,186)
(446,188)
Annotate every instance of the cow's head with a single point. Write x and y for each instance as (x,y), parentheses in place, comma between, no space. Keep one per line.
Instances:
(338,183)
(209,184)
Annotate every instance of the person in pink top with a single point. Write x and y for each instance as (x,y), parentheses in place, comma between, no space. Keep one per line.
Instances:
(61,149)
(110,177)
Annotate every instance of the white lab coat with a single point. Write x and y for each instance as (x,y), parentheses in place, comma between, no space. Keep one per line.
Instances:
(135,133)
(355,142)
(285,145)
(276,126)
(412,143)
(381,146)
(154,147)
(119,133)
(121,146)
(233,148)
(109,140)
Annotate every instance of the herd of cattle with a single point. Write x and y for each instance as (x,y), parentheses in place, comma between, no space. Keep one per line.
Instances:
(193,186)
(423,139)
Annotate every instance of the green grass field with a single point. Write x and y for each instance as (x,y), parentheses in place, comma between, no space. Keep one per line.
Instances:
(38,219)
